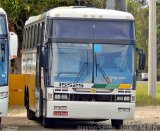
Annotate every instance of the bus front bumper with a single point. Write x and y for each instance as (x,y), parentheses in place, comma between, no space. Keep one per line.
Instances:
(90,110)
(3,107)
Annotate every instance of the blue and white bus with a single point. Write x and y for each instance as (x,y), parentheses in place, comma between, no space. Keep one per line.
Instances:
(80,64)
(5,39)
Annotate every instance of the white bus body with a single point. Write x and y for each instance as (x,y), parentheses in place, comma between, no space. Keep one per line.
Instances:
(5,40)
(81,62)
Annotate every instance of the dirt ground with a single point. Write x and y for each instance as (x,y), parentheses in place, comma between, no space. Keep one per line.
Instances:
(143,115)
(147,115)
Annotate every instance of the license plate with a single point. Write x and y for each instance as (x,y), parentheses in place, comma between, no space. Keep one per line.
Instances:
(60,113)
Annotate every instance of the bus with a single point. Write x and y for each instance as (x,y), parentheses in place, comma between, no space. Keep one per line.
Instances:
(6,38)
(80,64)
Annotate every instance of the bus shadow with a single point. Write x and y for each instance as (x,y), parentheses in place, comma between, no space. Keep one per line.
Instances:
(75,125)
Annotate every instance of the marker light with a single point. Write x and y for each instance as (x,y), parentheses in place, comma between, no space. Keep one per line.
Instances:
(50,96)
(125,86)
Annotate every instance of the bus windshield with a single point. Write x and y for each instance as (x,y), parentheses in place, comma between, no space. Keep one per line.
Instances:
(71,63)
(3,62)
(3,30)
(112,63)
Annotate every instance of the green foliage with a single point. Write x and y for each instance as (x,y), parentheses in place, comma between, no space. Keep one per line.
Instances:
(142,98)
(141,22)
(19,11)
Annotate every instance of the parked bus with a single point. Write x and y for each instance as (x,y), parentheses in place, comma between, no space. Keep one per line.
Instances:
(6,38)
(82,64)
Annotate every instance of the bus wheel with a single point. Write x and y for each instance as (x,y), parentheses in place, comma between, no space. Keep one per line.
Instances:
(117,124)
(30,115)
(45,122)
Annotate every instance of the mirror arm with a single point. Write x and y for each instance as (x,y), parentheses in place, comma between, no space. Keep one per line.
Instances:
(142,57)
(140,51)
(138,72)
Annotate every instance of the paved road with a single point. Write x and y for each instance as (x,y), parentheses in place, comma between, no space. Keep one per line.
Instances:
(22,124)
(60,126)
(146,118)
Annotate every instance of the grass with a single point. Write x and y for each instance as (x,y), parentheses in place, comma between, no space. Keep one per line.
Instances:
(142,98)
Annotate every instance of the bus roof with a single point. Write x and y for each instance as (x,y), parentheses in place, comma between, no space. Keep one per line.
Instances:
(82,12)
(2,11)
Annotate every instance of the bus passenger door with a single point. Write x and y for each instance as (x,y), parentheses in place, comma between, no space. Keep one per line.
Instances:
(38,91)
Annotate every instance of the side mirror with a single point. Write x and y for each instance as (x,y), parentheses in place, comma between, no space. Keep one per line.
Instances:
(13,45)
(142,61)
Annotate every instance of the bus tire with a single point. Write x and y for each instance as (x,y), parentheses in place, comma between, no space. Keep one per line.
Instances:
(25,95)
(117,124)
(45,122)
(30,114)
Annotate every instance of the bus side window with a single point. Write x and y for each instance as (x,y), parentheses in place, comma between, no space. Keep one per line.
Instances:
(23,43)
(32,37)
(50,26)
(26,42)
(31,43)
(42,32)
(25,39)
(34,29)
(39,32)
(35,35)
(29,37)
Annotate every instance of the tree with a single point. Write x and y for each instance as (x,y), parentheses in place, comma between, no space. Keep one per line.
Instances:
(141,22)
(19,11)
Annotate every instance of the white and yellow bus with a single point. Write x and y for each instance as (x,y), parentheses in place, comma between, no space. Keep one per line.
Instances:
(80,64)
(6,38)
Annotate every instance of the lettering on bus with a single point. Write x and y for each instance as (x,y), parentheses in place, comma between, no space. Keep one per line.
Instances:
(71,85)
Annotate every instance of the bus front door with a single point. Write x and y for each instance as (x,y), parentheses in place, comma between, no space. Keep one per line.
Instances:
(39,95)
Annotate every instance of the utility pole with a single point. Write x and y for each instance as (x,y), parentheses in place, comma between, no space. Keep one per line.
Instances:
(152,54)
(121,5)
(110,4)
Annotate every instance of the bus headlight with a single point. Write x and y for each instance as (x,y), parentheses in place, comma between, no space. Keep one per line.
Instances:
(119,98)
(64,97)
(3,95)
(50,96)
(61,97)
(126,98)
(123,98)
(57,96)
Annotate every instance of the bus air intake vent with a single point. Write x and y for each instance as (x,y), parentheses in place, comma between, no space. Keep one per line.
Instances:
(98,90)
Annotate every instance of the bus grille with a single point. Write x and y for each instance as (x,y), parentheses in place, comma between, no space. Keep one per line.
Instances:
(93,97)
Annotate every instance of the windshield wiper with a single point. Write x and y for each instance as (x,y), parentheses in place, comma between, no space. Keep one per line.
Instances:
(81,71)
(101,70)
(85,65)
